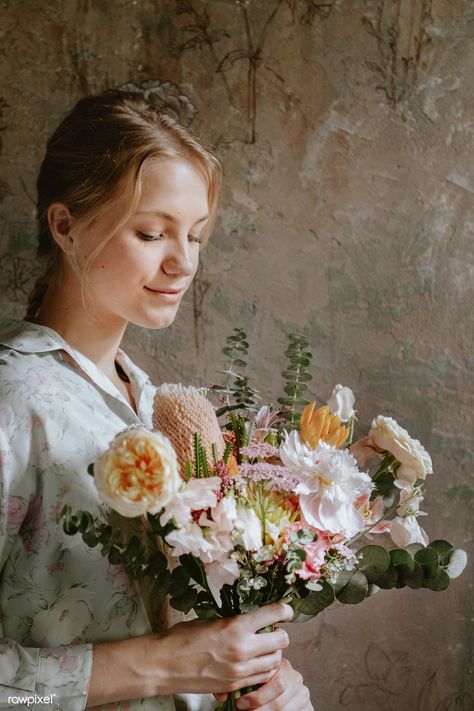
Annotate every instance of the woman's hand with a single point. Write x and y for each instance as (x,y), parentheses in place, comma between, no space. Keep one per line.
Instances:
(220,655)
(283,692)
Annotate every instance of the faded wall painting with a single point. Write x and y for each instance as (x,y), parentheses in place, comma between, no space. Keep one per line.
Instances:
(346,132)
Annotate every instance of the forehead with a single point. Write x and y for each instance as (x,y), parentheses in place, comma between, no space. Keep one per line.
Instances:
(173,181)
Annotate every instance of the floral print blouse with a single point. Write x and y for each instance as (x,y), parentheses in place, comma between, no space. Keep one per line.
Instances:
(58,413)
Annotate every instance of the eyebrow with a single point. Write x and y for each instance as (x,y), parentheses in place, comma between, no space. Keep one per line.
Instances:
(167,216)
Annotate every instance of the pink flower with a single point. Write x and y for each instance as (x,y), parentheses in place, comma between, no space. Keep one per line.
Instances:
(33,530)
(15,513)
(315,556)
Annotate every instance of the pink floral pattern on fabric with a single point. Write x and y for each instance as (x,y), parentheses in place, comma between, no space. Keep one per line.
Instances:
(58,413)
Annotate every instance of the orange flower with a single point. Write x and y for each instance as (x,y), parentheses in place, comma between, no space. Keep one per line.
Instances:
(138,472)
(321,424)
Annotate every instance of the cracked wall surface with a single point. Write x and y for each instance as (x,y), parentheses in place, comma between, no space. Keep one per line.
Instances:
(346,132)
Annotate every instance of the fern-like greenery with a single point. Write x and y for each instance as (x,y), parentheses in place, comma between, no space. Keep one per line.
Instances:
(296,376)
(236,389)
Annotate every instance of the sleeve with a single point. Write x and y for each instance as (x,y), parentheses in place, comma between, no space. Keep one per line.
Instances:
(195,702)
(32,677)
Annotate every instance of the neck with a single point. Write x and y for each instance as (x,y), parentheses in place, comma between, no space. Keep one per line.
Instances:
(95,337)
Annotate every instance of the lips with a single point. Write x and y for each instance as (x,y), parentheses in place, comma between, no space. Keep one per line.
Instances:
(164,291)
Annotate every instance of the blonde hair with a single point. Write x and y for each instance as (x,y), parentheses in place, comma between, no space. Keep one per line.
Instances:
(96,156)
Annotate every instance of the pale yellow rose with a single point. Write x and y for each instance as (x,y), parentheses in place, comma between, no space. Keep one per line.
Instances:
(415,462)
(138,473)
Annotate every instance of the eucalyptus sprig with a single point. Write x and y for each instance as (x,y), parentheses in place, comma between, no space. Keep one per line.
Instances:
(296,376)
(236,389)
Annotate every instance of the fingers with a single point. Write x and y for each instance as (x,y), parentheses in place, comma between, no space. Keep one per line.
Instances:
(268,615)
(269,642)
(283,691)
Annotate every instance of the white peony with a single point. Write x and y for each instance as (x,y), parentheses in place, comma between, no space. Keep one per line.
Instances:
(415,462)
(330,485)
(341,403)
(138,473)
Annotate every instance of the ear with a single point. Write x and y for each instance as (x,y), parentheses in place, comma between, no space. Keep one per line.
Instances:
(60,223)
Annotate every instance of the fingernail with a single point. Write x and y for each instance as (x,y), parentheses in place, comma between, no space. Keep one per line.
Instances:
(243,704)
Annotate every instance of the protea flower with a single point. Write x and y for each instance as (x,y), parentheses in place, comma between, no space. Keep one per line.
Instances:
(320,424)
(181,411)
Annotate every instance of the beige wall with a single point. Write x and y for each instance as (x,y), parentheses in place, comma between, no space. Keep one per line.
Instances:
(347,212)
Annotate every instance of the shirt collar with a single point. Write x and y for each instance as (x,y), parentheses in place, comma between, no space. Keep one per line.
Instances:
(27,337)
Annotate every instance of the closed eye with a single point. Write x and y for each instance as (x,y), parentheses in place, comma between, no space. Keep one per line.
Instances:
(153,238)
(149,238)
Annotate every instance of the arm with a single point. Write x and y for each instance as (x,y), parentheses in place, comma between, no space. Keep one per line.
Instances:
(29,671)
(192,657)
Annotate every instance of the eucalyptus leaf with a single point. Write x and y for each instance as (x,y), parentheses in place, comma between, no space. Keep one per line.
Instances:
(440,581)
(355,591)
(373,561)
(429,561)
(457,563)
(444,550)
(389,579)
(403,561)
(413,548)
(207,613)
(315,602)
(415,580)
(184,602)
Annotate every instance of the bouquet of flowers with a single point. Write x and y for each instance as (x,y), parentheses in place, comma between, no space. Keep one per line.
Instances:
(256,504)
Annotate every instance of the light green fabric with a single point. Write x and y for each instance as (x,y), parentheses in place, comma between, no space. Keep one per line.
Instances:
(58,413)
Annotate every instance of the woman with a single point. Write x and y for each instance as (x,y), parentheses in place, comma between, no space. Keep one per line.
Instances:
(126,197)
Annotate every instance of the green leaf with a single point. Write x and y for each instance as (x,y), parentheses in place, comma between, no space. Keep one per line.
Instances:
(444,550)
(403,561)
(186,601)
(340,580)
(180,580)
(193,568)
(157,563)
(457,563)
(413,548)
(415,580)
(440,581)
(355,591)
(373,562)
(373,589)
(162,586)
(389,579)
(313,604)
(429,561)
(207,613)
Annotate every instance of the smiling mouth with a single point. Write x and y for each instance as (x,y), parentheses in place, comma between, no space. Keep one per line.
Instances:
(164,291)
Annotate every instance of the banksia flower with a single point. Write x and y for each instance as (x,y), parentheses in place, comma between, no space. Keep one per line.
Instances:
(320,424)
(180,412)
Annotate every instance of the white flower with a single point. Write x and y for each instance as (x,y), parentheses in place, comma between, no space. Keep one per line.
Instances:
(219,574)
(138,473)
(406,530)
(194,495)
(341,402)
(250,528)
(190,539)
(415,462)
(330,485)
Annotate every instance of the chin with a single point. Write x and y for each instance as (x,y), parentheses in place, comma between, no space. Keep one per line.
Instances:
(155,322)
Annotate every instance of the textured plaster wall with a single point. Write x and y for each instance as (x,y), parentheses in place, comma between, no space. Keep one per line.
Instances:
(346,131)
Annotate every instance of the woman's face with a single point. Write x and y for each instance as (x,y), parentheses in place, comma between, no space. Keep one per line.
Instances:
(142,273)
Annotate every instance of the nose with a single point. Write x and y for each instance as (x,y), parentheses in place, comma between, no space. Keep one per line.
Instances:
(178,260)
